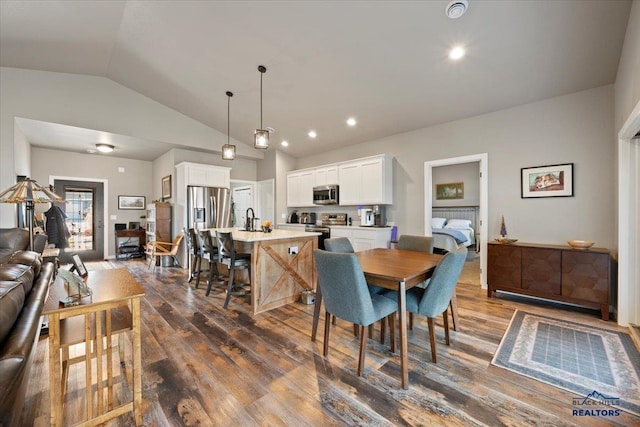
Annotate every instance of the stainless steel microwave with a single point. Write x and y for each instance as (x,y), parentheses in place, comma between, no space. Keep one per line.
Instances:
(325,195)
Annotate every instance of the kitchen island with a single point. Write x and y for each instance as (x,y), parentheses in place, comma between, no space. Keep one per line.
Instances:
(282,264)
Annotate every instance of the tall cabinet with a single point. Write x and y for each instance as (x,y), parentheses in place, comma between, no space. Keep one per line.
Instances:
(159,222)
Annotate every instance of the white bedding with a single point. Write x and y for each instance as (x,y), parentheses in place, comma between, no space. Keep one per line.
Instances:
(448,243)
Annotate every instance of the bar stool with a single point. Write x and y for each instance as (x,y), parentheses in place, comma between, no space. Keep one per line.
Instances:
(195,251)
(210,252)
(234,261)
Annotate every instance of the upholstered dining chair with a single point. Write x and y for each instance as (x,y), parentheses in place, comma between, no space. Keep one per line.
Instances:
(228,256)
(434,299)
(163,249)
(425,244)
(346,295)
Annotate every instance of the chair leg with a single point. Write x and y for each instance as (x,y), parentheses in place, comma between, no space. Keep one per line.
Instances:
(411,321)
(445,321)
(383,324)
(432,338)
(363,339)
(198,268)
(355,328)
(327,328)
(334,319)
(230,287)
(454,311)
(371,330)
(392,331)
(210,280)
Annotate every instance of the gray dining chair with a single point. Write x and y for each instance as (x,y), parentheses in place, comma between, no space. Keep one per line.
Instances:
(346,295)
(425,244)
(434,299)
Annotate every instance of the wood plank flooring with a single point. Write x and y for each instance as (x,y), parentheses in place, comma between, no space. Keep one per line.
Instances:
(207,366)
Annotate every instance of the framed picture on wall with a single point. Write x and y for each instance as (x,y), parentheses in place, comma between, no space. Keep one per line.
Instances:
(166,187)
(450,191)
(131,202)
(547,181)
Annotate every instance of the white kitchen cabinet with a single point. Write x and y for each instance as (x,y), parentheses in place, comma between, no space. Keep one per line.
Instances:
(366,181)
(300,188)
(327,175)
(203,175)
(363,238)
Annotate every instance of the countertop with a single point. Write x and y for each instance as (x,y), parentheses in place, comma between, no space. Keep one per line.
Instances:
(258,236)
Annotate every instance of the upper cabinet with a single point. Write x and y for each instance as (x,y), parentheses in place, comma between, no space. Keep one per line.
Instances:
(366,181)
(204,175)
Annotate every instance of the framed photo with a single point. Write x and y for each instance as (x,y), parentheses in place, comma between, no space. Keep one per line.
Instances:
(78,265)
(131,202)
(450,191)
(547,181)
(166,187)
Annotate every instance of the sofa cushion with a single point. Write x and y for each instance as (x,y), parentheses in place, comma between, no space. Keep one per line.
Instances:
(28,258)
(18,273)
(13,239)
(11,302)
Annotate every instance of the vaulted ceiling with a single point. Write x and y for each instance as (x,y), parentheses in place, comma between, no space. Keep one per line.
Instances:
(383,62)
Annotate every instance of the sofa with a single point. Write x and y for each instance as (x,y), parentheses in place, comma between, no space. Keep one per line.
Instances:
(24,285)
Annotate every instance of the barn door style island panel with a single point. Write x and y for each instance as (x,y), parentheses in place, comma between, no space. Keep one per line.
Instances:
(561,273)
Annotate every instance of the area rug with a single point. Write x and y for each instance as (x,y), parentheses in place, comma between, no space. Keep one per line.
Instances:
(600,368)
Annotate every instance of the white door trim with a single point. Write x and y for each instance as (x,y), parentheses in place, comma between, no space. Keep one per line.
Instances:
(483,159)
(105,184)
(628,229)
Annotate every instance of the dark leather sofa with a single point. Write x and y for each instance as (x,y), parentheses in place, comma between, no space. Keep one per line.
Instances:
(24,285)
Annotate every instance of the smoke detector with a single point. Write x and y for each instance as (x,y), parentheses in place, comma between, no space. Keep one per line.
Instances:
(456,8)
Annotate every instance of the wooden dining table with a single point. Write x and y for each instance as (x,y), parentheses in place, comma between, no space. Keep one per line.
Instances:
(397,270)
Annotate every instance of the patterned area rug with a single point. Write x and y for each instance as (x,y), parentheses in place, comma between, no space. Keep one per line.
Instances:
(594,364)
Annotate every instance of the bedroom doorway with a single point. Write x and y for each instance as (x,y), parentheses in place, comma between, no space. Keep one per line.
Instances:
(482,160)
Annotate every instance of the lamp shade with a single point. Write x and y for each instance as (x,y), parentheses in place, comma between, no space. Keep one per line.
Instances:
(29,191)
(228,152)
(261,138)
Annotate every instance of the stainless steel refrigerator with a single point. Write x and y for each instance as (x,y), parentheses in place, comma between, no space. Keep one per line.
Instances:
(208,207)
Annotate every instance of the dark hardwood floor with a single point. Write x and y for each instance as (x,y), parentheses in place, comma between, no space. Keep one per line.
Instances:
(204,365)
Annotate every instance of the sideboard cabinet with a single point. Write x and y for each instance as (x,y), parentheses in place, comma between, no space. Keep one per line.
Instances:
(560,273)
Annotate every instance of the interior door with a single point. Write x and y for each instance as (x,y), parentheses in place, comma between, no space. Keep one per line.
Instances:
(84,208)
(242,200)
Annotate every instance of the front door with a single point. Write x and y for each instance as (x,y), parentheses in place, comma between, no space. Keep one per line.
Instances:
(84,209)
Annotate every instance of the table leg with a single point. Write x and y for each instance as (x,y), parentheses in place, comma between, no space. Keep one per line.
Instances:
(56,399)
(402,315)
(316,313)
(137,362)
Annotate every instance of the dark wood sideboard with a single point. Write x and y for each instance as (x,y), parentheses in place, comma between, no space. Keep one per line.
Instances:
(561,273)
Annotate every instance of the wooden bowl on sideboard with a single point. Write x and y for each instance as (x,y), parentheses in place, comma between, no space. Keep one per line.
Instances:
(580,244)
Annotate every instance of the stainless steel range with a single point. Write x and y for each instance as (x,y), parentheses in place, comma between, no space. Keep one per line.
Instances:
(326,221)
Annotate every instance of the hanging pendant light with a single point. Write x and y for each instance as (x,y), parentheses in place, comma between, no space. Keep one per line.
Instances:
(228,150)
(261,136)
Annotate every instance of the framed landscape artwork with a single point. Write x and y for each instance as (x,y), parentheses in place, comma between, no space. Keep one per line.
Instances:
(450,191)
(166,187)
(547,181)
(131,202)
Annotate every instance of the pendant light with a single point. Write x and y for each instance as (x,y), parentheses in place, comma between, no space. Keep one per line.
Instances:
(261,136)
(228,150)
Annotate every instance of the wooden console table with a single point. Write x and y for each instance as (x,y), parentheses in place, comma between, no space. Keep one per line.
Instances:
(560,273)
(103,314)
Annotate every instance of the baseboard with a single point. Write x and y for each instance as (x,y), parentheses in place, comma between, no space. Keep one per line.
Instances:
(634,331)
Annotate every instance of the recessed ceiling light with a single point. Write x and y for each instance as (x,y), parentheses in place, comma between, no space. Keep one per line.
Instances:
(351,121)
(312,134)
(270,129)
(104,148)
(456,8)
(284,143)
(456,53)
(91,151)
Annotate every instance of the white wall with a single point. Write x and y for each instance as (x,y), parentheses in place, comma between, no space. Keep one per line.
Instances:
(627,88)
(88,102)
(134,181)
(576,128)
(468,174)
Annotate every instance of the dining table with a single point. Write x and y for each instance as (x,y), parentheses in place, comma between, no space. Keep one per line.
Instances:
(397,270)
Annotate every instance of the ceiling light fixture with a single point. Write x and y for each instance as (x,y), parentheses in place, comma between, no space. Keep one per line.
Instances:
(285,143)
(104,148)
(456,8)
(228,150)
(261,136)
(456,53)
(351,121)
(312,134)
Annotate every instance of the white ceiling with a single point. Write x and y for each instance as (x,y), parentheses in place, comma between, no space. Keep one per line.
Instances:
(383,62)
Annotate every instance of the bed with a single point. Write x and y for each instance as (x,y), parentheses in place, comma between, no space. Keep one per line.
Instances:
(452,228)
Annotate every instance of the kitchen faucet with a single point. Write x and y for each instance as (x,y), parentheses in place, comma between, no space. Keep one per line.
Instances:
(248,223)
